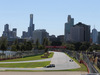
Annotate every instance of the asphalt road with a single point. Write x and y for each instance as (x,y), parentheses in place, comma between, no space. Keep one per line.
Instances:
(49,59)
(60,59)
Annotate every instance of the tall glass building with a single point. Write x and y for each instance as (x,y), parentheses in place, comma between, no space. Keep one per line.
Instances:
(68,26)
(94,36)
(31,26)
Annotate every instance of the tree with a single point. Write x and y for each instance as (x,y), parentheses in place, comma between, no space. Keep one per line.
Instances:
(15,42)
(83,47)
(41,47)
(3,46)
(37,44)
(28,45)
(17,47)
(22,47)
(13,48)
(77,45)
(56,43)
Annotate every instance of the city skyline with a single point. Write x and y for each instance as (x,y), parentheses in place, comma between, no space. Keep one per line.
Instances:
(50,15)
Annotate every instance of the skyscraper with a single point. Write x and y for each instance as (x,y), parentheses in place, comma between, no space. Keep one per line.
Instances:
(94,36)
(29,34)
(31,26)
(8,33)
(77,34)
(40,35)
(68,26)
(98,37)
(80,33)
(6,28)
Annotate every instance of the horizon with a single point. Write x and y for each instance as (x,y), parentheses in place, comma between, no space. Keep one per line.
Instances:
(50,15)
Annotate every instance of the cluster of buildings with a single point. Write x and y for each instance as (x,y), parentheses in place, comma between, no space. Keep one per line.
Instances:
(80,32)
(72,33)
(30,34)
(8,33)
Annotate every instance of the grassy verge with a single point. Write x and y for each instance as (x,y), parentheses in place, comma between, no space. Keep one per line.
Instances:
(82,66)
(97,68)
(35,57)
(25,65)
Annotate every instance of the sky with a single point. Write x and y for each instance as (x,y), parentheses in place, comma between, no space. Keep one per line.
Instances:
(48,14)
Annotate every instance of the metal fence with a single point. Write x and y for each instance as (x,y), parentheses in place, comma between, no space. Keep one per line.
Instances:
(89,64)
(79,56)
(91,74)
(20,54)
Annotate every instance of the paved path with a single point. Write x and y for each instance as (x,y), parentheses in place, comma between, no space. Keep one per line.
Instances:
(61,61)
(42,73)
(49,59)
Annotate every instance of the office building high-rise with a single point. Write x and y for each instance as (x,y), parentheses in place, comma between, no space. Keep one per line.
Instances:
(68,26)
(6,28)
(80,33)
(77,34)
(29,34)
(94,36)
(31,26)
(40,35)
(8,33)
(98,37)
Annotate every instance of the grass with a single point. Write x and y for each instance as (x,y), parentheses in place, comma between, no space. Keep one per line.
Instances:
(25,65)
(35,57)
(41,64)
(82,66)
(97,68)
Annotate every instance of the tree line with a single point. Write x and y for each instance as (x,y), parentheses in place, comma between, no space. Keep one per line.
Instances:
(29,45)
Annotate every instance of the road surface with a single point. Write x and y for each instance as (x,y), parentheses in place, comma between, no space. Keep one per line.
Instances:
(60,59)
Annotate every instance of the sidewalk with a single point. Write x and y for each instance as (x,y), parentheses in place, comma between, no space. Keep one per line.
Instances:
(42,73)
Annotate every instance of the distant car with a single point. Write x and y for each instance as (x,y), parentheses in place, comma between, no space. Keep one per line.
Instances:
(50,66)
(71,60)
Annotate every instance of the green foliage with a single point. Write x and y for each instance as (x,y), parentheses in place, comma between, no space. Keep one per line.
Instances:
(13,48)
(70,46)
(83,47)
(28,45)
(3,44)
(37,44)
(77,45)
(22,47)
(41,47)
(94,47)
(56,43)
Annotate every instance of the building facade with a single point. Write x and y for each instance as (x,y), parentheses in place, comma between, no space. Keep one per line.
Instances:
(94,36)
(8,33)
(77,34)
(31,26)
(29,33)
(68,26)
(80,33)
(39,35)
(98,37)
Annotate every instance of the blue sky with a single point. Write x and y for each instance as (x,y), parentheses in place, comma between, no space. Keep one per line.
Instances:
(48,14)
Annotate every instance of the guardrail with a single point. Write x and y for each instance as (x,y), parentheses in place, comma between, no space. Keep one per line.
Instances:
(83,57)
(20,54)
(91,74)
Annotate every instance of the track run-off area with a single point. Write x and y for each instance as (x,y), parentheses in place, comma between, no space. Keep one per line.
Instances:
(60,59)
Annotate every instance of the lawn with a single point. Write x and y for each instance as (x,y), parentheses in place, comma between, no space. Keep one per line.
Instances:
(25,65)
(35,57)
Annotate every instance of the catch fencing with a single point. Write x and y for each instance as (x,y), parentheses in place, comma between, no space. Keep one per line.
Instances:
(81,56)
(20,54)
